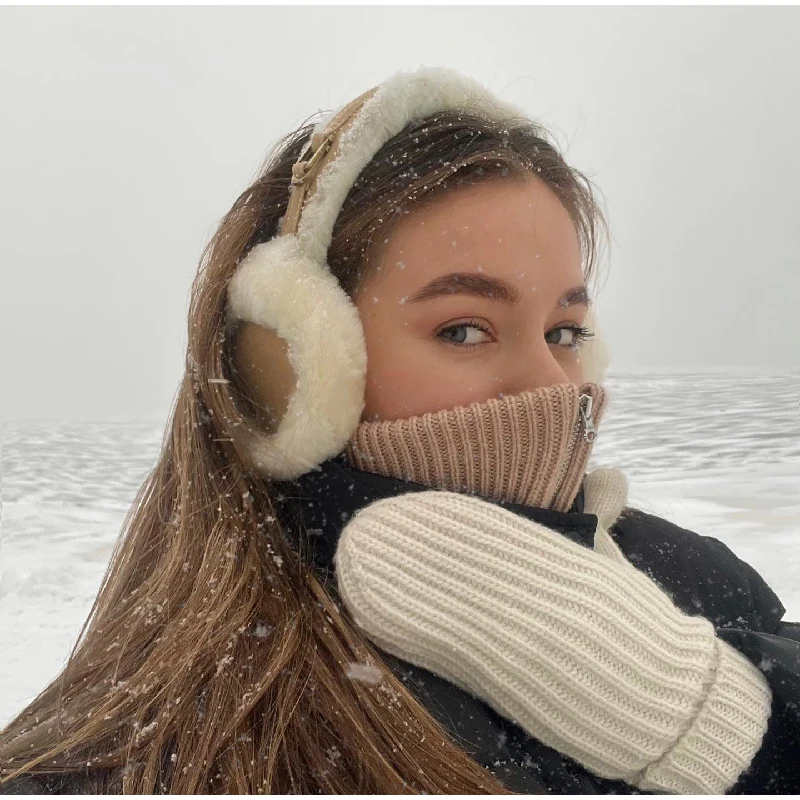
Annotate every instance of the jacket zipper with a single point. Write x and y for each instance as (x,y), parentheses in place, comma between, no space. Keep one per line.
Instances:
(585,420)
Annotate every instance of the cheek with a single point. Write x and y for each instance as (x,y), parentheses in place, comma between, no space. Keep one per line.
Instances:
(412,380)
(395,389)
(398,372)
(573,368)
(406,375)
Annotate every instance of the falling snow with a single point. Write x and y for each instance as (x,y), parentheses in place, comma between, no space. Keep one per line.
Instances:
(364,673)
(262,630)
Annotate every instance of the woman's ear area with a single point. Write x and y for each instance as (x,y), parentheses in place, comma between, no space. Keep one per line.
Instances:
(261,358)
(595,357)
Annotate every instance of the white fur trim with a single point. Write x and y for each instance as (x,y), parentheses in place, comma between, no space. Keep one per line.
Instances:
(277,287)
(398,100)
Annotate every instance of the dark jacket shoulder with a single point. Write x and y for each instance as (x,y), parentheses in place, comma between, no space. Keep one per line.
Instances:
(701,574)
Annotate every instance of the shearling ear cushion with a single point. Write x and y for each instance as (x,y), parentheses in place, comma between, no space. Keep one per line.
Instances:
(277,287)
(594,353)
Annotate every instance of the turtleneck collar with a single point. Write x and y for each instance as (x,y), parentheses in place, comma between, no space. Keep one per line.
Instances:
(530,448)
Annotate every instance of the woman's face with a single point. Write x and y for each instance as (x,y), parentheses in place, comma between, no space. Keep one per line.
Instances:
(473,297)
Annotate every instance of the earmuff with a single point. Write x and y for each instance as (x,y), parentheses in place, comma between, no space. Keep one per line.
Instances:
(309,332)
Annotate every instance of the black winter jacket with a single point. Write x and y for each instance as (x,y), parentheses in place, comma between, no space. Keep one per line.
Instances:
(700,574)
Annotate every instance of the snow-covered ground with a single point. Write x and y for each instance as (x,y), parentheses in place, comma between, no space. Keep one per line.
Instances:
(719,454)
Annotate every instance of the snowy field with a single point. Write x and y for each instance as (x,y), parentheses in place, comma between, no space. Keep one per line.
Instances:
(718,454)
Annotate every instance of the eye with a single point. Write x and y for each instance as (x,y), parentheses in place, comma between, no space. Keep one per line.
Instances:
(465,334)
(576,335)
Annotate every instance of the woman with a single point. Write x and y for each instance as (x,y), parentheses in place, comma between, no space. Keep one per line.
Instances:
(349,352)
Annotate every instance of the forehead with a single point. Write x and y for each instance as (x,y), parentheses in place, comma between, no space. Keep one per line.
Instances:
(508,228)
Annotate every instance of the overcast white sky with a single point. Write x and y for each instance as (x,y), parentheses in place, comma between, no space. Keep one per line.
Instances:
(128,132)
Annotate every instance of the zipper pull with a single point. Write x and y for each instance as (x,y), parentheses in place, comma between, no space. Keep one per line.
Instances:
(589,433)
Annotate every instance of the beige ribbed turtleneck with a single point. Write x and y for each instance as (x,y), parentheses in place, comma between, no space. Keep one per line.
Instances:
(528,448)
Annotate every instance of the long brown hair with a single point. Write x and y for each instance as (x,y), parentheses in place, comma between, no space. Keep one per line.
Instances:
(213,660)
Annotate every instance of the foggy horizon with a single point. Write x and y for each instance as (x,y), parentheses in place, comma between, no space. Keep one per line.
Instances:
(130,131)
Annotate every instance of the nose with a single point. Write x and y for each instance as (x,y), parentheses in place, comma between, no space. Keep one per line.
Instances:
(536,368)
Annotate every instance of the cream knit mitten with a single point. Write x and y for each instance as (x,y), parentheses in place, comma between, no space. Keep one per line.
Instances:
(583,651)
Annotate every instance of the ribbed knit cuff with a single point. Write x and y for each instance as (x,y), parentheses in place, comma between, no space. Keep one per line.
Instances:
(724,736)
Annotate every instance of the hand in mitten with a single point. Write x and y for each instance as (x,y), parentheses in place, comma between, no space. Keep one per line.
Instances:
(585,653)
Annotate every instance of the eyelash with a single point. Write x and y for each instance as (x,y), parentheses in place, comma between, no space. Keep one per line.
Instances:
(580,333)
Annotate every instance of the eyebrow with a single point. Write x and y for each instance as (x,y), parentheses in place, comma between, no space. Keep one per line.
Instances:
(492,288)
